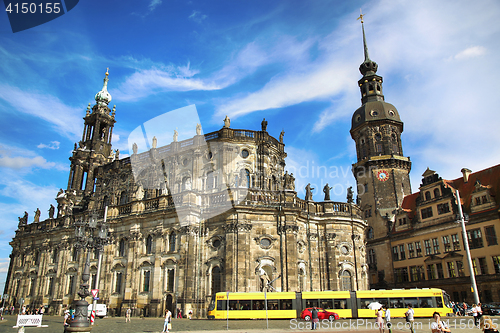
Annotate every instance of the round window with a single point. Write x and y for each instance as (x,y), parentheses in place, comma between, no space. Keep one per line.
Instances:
(185,162)
(265,242)
(358,118)
(244,153)
(209,155)
(374,113)
(216,243)
(391,113)
(344,249)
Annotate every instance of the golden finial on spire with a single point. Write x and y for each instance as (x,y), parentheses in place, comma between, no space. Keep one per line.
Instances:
(107,68)
(360,16)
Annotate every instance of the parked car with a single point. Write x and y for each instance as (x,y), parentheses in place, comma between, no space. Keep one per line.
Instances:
(322,314)
(492,309)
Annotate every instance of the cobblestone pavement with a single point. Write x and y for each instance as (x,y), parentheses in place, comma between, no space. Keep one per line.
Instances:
(153,325)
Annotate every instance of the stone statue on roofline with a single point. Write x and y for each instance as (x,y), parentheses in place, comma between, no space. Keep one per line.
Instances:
(227,122)
(23,220)
(51,211)
(176,135)
(37,215)
(350,195)
(309,195)
(198,129)
(326,190)
(282,134)
(155,142)
(134,148)
(264,125)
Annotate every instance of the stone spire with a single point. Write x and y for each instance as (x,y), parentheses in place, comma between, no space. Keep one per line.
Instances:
(103,97)
(368,67)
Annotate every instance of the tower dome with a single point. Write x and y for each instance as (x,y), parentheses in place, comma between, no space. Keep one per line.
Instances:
(103,97)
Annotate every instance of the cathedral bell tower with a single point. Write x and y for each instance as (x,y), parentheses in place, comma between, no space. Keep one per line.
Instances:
(381,171)
(95,147)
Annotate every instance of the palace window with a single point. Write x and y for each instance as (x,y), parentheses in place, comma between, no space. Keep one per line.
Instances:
(484,199)
(446,243)
(460,268)
(417,273)
(482,265)
(401,275)
(32,286)
(428,248)
(145,283)
(402,221)
(418,249)
(411,251)
(51,286)
(456,242)
(443,208)
(372,259)
(395,253)
(436,193)
(171,242)
(216,280)
(431,273)
(474,266)
(402,254)
(426,212)
(54,256)
(439,269)
(123,198)
(496,264)
(475,239)
(427,195)
(491,236)
(118,282)
(149,244)
(121,248)
(435,245)
(71,284)
(170,279)
(451,269)
(369,233)
(346,280)
(74,255)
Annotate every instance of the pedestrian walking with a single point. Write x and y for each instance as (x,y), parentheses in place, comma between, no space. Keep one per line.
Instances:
(439,326)
(127,315)
(190,313)
(314,318)
(380,320)
(409,317)
(168,318)
(388,323)
(67,319)
(474,314)
(179,313)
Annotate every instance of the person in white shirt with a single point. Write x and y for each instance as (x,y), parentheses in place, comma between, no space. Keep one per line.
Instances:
(168,317)
(388,319)
(474,314)
(439,326)
(409,317)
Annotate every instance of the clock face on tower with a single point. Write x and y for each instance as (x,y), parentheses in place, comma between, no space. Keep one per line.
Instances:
(383,175)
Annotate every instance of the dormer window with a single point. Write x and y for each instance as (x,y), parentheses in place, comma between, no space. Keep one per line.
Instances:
(436,193)
(427,195)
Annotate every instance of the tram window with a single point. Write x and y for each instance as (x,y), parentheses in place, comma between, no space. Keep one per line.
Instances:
(426,302)
(340,304)
(235,305)
(363,302)
(396,303)
(411,301)
(383,301)
(272,304)
(309,303)
(246,305)
(326,303)
(439,301)
(286,304)
(258,305)
(221,305)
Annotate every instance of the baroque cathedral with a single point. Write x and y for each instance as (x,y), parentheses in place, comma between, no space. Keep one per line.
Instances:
(216,212)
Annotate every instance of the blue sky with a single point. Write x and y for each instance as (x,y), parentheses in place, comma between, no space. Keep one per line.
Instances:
(293,62)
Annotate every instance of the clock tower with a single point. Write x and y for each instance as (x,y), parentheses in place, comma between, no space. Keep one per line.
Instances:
(381,171)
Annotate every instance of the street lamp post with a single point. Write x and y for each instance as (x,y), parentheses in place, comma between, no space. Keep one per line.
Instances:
(86,238)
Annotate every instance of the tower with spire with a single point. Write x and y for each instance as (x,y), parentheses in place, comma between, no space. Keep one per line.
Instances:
(95,147)
(381,171)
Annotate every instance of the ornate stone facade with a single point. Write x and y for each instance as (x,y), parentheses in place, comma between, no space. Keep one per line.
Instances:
(204,215)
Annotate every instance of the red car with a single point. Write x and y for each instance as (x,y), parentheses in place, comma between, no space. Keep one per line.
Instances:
(322,314)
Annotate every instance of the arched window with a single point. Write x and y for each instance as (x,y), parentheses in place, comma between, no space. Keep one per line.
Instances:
(210,180)
(186,183)
(149,244)
(302,279)
(247,175)
(74,256)
(171,242)
(54,256)
(372,259)
(105,201)
(123,198)
(436,193)
(346,280)
(427,195)
(369,233)
(121,248)
(216,280)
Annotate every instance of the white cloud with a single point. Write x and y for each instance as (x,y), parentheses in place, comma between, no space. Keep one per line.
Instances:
(52,145)
(153,4)
(197,16)
(471,52)
(15,158)
(49,108)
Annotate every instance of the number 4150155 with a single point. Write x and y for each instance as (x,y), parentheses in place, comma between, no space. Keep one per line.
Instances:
(26,8)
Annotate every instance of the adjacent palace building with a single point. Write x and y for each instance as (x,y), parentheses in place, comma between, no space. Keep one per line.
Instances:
(218,212)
